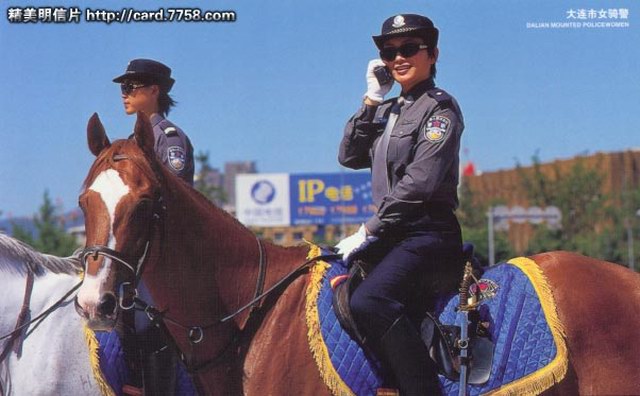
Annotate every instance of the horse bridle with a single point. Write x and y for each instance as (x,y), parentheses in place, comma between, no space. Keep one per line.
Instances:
(96,251)
(195,334)
(100,250)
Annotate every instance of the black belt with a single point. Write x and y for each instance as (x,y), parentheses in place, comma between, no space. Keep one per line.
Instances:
(434,216)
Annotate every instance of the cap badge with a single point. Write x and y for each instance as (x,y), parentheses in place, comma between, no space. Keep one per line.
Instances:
(398,21)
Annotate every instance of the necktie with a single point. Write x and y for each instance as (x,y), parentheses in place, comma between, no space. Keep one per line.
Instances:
(381,183)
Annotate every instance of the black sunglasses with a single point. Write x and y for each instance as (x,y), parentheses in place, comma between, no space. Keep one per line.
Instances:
(127,87)
(406,51)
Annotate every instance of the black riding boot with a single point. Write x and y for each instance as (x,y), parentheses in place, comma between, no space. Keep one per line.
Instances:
(158,364)
(159,373)
(407,358)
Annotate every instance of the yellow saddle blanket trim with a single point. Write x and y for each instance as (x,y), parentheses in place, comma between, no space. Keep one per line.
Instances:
(532,384)
(92,343)
(541,380)
(318,348)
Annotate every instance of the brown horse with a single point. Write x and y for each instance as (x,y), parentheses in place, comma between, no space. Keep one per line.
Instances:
(200,264)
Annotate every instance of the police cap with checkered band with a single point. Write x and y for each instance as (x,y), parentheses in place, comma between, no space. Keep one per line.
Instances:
(147,71)
(411,25)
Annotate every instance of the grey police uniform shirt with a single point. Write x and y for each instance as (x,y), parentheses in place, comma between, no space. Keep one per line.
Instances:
(422,157)
(173,148)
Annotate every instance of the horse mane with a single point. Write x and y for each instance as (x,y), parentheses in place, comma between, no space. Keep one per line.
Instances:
(199,198)
(170,180)
(152,169)
(17,256)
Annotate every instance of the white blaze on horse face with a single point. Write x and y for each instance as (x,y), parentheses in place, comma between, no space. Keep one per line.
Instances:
(111,188)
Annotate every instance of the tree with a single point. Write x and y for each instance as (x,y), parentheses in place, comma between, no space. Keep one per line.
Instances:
(50,237)
(214,193)
(473,220)
(586,210)
(623,223)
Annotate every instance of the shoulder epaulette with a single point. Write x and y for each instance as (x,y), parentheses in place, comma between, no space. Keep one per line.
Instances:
(170,131)
(168,128)
(439,95)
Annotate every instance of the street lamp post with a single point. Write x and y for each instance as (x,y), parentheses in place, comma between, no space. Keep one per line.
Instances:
(630,252)
(492,249)
(630,242)
(628,224)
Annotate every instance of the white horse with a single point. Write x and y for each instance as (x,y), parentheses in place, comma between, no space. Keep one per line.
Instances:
(52,357)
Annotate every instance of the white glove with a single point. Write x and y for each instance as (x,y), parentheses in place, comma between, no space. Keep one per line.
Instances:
(376,92)
(354,243)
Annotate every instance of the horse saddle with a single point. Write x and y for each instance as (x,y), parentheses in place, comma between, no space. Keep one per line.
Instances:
(442,341)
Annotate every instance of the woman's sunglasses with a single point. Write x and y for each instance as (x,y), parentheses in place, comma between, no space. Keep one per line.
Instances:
(405,50)
(128,87)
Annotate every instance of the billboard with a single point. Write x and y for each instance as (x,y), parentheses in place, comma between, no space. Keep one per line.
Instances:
(330,198)
(299,199)
(263,199)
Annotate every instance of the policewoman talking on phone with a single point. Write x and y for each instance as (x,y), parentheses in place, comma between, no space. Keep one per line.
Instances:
(411,143)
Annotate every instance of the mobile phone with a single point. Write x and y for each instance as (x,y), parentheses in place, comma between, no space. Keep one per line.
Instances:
(382,75)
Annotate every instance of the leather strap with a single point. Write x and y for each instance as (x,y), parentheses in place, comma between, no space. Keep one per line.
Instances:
(15,341)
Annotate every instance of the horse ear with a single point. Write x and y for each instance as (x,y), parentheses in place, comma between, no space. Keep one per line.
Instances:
(96,136)
(144,135)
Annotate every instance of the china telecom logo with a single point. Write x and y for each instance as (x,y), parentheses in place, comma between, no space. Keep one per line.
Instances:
(263,192)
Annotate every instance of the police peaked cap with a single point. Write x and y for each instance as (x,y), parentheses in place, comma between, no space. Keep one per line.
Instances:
(408,25)
(148,71)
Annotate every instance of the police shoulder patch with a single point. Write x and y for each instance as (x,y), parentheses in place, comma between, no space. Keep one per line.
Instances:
(177,157)
(436,128)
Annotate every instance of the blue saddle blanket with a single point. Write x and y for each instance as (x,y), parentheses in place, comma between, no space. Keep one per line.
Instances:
(527,334)
(116,373)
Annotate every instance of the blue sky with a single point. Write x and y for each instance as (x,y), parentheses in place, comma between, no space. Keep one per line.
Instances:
(277,85)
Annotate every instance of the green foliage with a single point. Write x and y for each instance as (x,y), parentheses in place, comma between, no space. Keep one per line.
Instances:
(51,236)
(214,193)
(470,214)
(22,234)
(593,223)
(578,195)
(624,221)
(479,237)
(473,220)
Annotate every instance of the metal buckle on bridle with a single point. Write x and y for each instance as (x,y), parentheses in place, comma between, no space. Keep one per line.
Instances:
(121,293)
(195,335)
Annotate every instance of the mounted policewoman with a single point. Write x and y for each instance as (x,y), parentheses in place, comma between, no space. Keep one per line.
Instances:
(145,87)
(411,143)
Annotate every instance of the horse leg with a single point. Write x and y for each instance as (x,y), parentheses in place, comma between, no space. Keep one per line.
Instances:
(599,305)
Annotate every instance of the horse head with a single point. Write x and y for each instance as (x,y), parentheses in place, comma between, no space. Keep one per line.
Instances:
(120,201)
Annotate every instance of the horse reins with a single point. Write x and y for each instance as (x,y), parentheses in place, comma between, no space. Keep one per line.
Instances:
(24,311)
(195,334)
(14,342)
